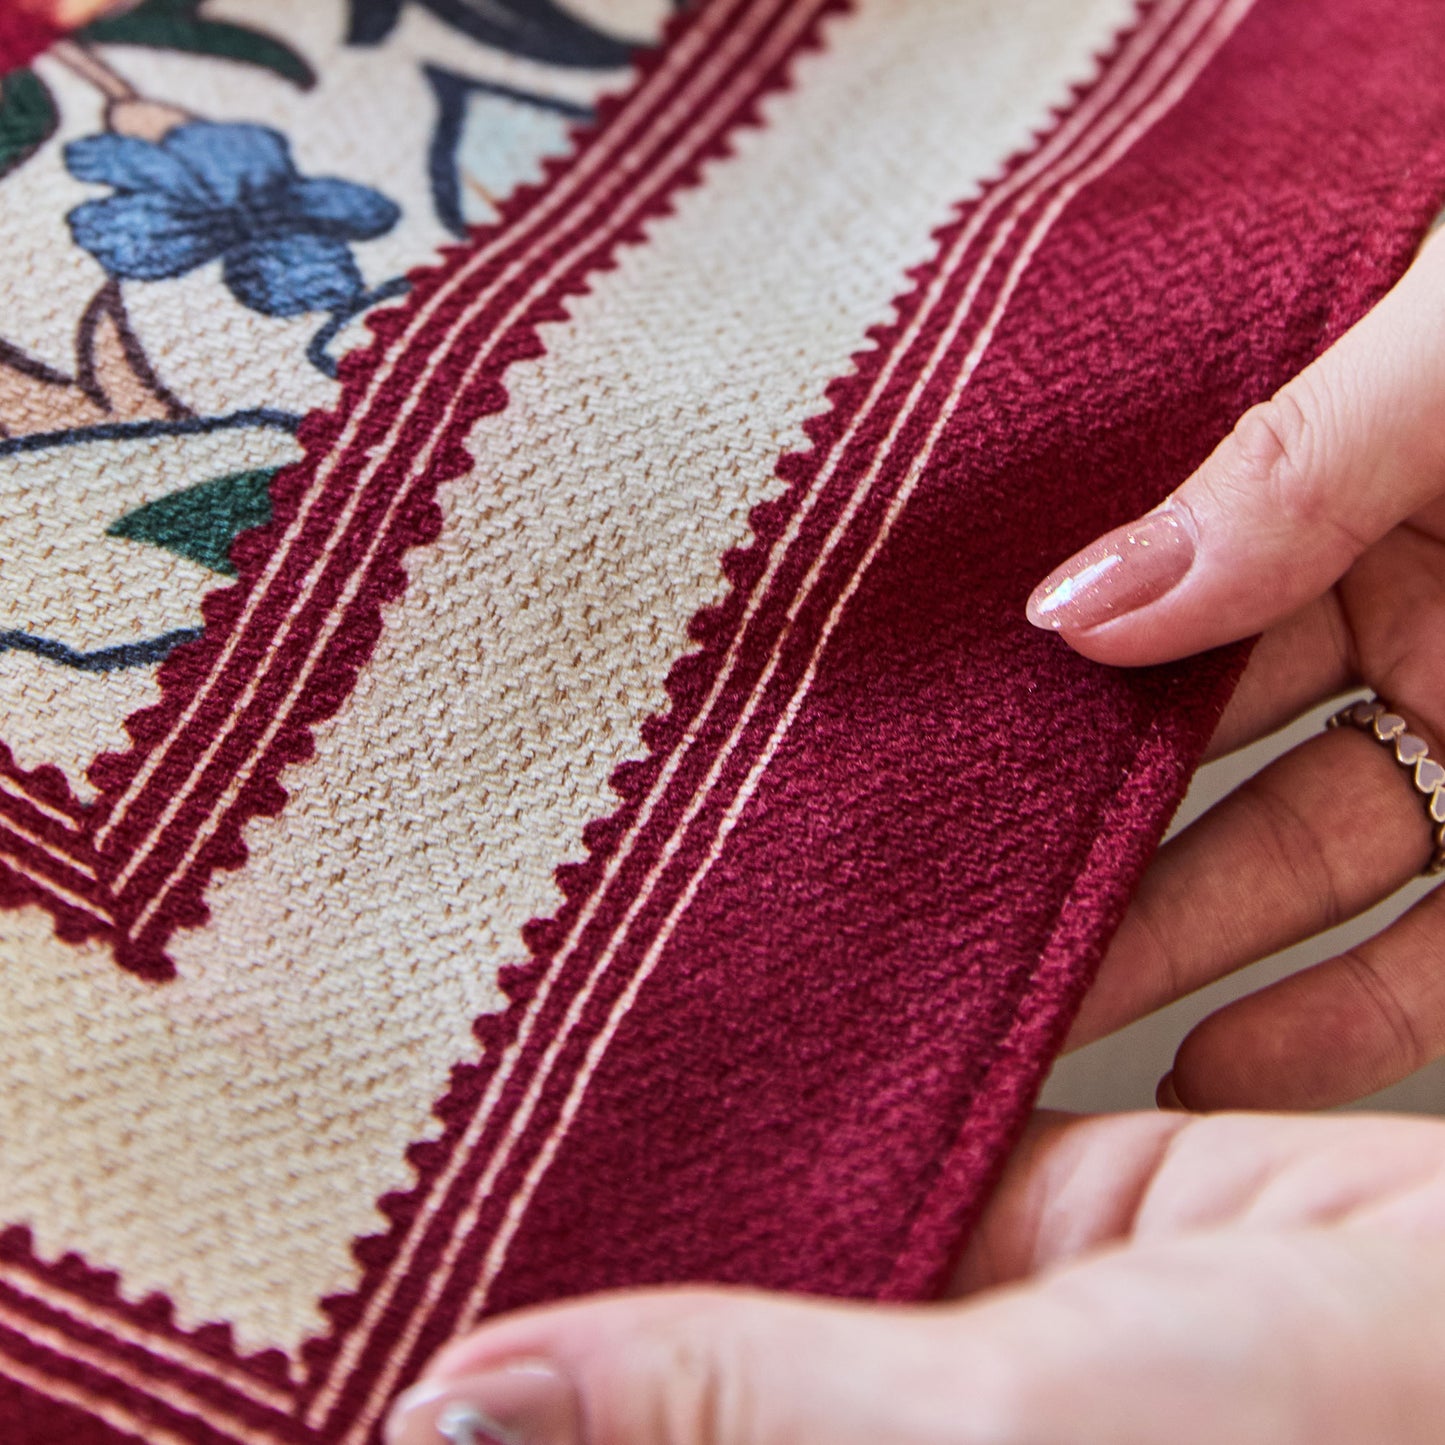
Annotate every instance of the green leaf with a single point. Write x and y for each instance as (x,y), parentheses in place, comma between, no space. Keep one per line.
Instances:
(27,118)
(201,522)
(176,25)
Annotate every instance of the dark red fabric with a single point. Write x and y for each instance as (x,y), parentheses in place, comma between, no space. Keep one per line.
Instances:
(30,1418)
(811,1081)
(23,35)
(843,1037)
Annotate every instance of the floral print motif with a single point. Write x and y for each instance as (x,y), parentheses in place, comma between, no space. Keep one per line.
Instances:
(537,29)
(178,191)
(229,192)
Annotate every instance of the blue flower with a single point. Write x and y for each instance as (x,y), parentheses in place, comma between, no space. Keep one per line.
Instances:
(231,193)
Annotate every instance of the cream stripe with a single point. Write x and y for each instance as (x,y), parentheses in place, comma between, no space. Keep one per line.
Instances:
(784,39)
(83,869)
(674,60)
(1222,28)
(175,1351)
(674,761)
(1148,37)
(778,47)
(95,910)
(17,791)
(181,1400)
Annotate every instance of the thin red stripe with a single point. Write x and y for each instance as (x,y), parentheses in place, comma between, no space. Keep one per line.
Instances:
(167,1353)
(464,1262)
(793,634)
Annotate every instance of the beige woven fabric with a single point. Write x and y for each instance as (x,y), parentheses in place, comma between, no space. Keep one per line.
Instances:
(269,1100)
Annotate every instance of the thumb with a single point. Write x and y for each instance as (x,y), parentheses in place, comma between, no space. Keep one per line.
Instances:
(1301,487)
(693,1367)
(1263,1338)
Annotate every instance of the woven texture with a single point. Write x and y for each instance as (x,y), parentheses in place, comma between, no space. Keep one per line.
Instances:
(522,765)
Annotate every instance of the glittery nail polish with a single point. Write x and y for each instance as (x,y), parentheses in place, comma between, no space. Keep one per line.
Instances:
(1123,571)
(528,1403)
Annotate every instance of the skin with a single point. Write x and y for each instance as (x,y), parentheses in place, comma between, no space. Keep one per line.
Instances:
(1245,1278)
(1254,1277)
(1320,525)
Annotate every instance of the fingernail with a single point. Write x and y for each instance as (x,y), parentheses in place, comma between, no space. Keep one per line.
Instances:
(1121,572)
(524,1404)
(1166,1097)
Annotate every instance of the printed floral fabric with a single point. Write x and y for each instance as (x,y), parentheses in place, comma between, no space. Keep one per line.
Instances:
(523,766)
(229,192)
(120,109)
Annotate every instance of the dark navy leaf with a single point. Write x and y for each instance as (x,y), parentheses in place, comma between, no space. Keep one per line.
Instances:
(176,25)
(533,29)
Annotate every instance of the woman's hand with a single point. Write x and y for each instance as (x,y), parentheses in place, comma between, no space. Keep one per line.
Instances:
(1321,523)
(1138,1278)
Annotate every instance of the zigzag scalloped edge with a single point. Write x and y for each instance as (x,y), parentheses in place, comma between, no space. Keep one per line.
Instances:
(711,628)
(154,1311)
(687,681)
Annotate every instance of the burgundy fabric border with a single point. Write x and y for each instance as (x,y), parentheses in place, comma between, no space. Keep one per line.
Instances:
(847,1028)
(921,740)
(1128,835)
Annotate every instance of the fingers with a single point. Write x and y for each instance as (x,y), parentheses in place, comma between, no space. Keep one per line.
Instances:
(697,1368)
(1300,488)
(1078,1184)
(1258,1337)
(1251,1337)
(1074,1184)
(1315,838)
(1270,1282)
(1332,1034)
(1298,664)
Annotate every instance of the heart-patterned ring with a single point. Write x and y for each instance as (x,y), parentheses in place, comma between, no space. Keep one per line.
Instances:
(1412,752)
